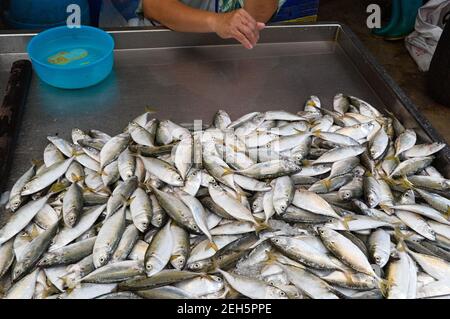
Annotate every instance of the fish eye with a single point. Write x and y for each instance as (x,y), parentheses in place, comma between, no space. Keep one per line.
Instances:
(102,260)
(179,178)
(149,267)
(282,293)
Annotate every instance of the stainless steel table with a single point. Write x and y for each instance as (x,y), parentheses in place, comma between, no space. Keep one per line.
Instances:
(190,76)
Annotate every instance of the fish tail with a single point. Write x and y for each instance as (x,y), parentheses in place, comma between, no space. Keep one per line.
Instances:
(447,213)
(102,172)
(317,133)
(401,239)
(213,245)
(77,178)
(384,285)
(130,200)
(261,226)
(406,183)
(57,188)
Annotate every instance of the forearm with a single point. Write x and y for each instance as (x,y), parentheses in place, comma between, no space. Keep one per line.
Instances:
(178,16)
(262,11)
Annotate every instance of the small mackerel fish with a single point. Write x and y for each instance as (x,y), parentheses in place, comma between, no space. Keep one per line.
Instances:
(323,203)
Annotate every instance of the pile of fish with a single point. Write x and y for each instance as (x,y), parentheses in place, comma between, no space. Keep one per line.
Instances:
(325,203)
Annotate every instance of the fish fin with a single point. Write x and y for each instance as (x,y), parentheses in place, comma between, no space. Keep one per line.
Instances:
(57,188)
(327,183)
(386,208)
(77,178)
(347,219)
(406,183)
(317,133)
(228,171)
(393,158)
(226,291)
(401,239)
(34,232)
(70,284)
(402,182)
(89,190)
(125,201)
(348,277)
(74,153)
(213,245)
(272,258)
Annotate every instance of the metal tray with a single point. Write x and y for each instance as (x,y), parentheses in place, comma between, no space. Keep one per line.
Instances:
(189,76)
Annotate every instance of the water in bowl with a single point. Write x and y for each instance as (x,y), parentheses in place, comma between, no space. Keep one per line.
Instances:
(73,56)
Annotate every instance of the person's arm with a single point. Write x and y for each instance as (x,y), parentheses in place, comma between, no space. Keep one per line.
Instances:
(262,11)
(180,17)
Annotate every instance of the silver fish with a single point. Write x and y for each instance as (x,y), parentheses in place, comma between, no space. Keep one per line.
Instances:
(159,251)
(113,148)
(15,197)
(108,238)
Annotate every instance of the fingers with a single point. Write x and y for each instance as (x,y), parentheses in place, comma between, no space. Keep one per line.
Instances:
(249,27)
(243,39)
(260,25)
(253,28)
(251,36)
(241,26)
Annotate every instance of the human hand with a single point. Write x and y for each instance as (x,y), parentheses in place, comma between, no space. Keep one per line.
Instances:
(240,25)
